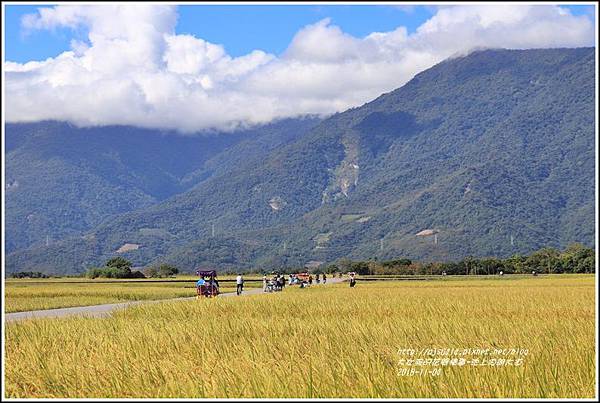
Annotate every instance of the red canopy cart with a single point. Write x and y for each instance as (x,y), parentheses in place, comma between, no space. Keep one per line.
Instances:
(210,288)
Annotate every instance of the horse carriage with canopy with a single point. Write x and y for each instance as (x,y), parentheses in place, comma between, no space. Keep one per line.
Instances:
(207,286)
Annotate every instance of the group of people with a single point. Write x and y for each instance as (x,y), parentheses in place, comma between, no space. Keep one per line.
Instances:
(319,280)
(211,282)
(208,287)
(294,279)
(276,283)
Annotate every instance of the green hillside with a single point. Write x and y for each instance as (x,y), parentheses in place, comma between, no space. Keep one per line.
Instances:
(493,151)
(62,180)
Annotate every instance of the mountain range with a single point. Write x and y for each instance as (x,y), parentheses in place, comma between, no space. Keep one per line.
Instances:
(489,154)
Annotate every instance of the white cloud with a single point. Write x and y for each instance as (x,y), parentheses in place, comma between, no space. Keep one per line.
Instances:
(135,70)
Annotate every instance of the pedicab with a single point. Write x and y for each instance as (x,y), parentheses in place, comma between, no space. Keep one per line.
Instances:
(208,285)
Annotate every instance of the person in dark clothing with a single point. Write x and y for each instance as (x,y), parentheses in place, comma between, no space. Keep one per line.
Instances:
(279,282)
(324,278)
(215,286)
(352,280)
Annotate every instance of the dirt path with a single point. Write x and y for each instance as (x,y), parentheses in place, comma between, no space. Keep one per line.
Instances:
(107,309)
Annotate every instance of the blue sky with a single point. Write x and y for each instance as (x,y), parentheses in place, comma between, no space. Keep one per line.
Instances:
(240,29)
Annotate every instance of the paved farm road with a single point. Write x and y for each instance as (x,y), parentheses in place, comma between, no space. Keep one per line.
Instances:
(106,309)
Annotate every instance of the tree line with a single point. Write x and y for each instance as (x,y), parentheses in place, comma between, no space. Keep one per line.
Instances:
(576,258)
(29,274)
(119,267)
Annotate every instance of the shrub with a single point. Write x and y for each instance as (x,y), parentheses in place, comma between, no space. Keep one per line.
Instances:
(29,274)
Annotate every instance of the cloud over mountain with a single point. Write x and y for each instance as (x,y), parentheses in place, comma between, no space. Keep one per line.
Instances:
(134,69)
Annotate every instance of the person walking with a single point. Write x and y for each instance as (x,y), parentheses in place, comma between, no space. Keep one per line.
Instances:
(214,287)
(277,282)
(318,278)
(264,283)
(352,280)
(239,283)
(310,279)
(324,278)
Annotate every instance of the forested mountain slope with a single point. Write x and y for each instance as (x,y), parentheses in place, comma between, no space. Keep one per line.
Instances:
(494,151)
(62,180)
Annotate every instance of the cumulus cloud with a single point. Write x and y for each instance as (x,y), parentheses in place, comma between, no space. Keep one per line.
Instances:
(134,69)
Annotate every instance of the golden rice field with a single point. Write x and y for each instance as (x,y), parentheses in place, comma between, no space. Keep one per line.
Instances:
(329,341)
(28,295)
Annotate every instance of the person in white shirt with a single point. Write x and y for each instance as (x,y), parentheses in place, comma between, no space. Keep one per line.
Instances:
(239,281)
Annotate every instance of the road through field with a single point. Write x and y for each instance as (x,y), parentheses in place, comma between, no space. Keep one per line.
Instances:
(106,309)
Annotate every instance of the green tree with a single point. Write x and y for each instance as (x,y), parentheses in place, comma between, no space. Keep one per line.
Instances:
(151,271)
(490,265)
(118,262)
(578,259)
(166,270)
(360,267)
(469,265)
(515,264)
(344,264)
(94,272)
(545,260)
